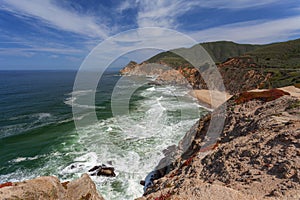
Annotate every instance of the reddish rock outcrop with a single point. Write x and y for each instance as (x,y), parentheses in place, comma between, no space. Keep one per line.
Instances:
(265,96)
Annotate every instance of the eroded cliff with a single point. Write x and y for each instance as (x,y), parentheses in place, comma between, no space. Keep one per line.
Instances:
(256,156)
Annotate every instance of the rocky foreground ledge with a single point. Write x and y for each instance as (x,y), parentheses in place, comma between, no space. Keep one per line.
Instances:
(50,188)
(257,155)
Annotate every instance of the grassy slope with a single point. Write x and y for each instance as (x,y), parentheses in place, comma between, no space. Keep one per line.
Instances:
(281,59)
(219,51)
(222,50)
(279,55)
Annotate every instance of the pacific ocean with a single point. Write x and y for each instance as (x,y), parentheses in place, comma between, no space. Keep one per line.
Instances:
(38,136)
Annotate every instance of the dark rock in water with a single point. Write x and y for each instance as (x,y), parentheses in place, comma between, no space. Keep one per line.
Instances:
(142,183)
(150,178)
(94,168)
(103,170)
(73,167)
(107,171)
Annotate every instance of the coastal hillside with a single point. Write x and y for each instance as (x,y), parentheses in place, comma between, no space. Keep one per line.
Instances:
(220,51)
(278,55)
(242,66)
(256,156)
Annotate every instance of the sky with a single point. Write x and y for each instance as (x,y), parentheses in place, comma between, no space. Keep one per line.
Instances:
(59,34)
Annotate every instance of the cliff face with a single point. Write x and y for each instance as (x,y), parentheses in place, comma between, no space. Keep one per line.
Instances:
(243,74)
(238,74)
(257,155)
(49,187)
(164,74)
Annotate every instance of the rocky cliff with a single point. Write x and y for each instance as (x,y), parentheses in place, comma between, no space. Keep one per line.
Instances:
(49,187)
(256,156)
(238,74)
(246,66)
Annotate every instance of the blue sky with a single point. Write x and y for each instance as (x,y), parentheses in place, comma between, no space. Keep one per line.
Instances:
(49,34)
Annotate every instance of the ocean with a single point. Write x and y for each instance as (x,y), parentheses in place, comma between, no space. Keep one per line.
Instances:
(38,136)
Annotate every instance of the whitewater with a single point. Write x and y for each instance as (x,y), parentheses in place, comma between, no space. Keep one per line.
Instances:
(133,144)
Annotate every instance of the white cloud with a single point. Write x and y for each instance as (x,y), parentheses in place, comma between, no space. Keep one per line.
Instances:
(157,13)
(253,31)
(136,40)
(233,4)
(164,13)
(57,17)
(125,5)
(54,56)
(30,51)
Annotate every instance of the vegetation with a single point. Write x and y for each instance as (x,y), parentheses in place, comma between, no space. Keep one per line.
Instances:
(222,50)
(281,60)
(295,105)
(283,77)
(279,55)
(170,58)
(219,51)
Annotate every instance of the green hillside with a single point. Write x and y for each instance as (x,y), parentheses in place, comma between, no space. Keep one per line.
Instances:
(279,55)
(222,50)
(219,51)
(282,60)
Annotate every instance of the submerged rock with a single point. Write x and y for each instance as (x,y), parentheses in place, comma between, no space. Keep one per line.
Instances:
(102,170)
(49,187)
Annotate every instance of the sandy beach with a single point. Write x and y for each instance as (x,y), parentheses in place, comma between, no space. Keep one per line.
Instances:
(210,98)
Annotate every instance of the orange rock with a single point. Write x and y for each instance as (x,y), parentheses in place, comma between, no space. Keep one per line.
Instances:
(6,184)
(265,96)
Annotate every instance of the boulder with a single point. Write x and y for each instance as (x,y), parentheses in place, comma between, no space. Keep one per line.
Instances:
(49,187)
(102,170)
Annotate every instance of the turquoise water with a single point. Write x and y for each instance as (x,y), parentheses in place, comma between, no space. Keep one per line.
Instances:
(38,136)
